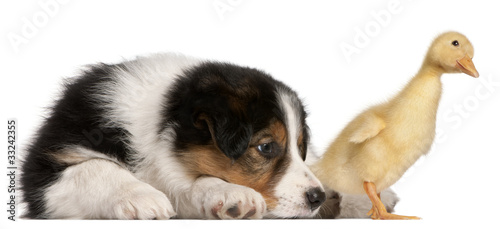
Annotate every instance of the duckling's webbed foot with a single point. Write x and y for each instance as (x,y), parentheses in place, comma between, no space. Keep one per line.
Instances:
(378,210)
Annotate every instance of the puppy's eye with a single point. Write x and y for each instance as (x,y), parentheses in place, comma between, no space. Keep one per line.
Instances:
(455,43)
(268,149)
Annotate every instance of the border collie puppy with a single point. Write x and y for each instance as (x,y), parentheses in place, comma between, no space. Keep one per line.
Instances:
(168,135)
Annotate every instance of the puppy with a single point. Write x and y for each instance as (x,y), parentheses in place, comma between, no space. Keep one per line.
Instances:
(169,135)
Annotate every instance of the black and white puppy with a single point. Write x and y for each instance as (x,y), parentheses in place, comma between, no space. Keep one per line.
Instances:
(168,135)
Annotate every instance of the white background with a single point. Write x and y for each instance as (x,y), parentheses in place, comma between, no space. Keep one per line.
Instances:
(298,42)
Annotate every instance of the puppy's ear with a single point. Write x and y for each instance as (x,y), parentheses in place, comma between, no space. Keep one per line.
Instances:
(230,135)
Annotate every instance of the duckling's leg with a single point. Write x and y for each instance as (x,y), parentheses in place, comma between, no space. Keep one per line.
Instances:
(378,210)
(373,211)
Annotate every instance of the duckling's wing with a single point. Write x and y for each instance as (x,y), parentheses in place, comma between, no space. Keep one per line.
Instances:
(368,126)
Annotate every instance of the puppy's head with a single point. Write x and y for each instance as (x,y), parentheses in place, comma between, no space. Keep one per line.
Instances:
(242,126)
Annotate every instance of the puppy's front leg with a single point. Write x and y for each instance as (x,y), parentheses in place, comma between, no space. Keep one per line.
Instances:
(213,198)
(100,189)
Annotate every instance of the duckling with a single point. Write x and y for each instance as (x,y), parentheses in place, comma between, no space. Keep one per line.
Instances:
(375,149)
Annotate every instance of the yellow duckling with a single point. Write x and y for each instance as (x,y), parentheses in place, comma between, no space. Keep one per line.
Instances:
(379,145)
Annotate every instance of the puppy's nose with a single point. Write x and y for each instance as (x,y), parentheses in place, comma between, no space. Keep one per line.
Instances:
(315,197)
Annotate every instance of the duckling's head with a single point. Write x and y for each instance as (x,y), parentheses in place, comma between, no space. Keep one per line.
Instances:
(452,52)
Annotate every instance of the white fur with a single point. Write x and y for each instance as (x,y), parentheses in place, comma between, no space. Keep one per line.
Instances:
(100,188)
(356,206)
(210,194)
(140,114)
(298,179)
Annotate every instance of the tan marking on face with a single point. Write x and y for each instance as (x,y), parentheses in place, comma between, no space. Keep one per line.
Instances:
(300,140)
(252,169)
(301,145)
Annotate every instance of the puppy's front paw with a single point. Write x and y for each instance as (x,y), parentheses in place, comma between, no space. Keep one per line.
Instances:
(142,201)
(232,201)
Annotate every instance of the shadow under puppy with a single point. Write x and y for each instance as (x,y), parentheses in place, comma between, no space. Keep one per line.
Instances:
(172,136)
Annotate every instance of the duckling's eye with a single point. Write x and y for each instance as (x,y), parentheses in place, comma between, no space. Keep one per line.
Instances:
(455,43)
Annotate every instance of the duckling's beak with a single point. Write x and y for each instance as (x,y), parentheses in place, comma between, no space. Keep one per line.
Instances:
(467,66)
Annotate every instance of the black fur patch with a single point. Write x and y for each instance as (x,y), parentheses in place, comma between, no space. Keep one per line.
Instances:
(75,119)
(234,101)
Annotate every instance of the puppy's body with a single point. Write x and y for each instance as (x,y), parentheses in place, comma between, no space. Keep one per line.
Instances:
(170,135)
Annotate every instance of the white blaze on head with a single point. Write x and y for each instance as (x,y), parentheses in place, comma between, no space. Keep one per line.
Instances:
(298,179)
